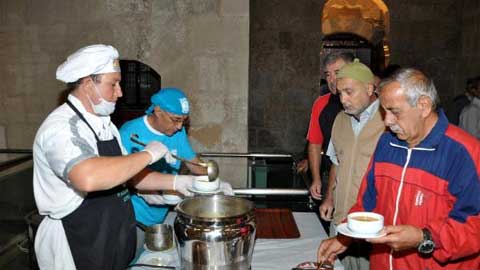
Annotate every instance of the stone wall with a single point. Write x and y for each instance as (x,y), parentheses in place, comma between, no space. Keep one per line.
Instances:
(426,34)
(203,47)
(439,37)
(285,42)
(200,46)
(468,57)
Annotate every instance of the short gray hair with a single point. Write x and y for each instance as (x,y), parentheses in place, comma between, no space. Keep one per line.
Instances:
(415,84)
(335,56)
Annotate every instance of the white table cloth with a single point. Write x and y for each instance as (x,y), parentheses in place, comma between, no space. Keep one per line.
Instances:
(277,254)
(281,254)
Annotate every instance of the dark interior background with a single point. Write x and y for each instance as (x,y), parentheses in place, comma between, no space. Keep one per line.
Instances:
(440,37)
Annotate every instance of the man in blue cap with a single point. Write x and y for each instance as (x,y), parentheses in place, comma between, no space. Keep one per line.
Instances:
(164,122)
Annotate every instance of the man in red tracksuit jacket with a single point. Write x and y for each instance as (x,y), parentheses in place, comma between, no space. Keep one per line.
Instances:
(424,179)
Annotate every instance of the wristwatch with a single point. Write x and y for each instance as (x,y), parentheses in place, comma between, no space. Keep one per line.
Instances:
(427,245)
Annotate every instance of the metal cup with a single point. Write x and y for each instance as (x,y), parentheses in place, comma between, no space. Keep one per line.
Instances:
(159,237)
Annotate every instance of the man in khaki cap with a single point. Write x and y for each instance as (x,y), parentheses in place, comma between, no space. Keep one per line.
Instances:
(355,133)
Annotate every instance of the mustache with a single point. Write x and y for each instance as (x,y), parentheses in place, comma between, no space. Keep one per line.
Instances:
(396,129)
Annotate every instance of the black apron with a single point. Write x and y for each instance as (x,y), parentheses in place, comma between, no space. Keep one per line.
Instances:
(101,231)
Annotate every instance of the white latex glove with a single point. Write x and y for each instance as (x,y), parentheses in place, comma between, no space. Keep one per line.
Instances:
(152,198)
(182,184)
(158,150)
(226,188)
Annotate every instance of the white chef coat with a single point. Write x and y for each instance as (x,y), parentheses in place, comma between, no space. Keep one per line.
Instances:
(62,141)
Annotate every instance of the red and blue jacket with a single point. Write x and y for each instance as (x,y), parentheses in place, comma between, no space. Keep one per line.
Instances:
(434,185)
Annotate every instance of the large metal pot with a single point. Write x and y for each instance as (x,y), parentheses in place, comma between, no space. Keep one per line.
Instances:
(215,232)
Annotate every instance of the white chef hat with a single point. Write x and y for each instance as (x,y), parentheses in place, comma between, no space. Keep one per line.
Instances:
(93,59)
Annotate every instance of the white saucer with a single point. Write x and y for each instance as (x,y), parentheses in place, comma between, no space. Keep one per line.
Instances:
(194,190)
(343,229)
(158,258)
(172,202)
(171,199)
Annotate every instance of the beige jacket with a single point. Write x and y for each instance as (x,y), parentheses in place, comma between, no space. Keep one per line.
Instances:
(353,154)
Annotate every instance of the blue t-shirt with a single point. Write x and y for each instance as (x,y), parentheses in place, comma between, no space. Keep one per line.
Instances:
(177,144)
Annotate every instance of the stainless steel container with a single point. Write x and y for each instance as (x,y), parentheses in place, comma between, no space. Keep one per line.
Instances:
(159,237)
(215,232)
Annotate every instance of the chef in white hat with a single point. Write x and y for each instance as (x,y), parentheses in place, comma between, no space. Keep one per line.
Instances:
(81,171)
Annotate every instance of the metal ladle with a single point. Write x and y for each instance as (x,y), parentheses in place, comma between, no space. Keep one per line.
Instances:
(211,165)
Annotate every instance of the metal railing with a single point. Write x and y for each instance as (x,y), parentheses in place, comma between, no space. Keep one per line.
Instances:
(21,155)
(253,157)
(247,155)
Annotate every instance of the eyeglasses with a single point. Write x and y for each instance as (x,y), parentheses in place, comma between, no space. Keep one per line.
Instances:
(177,120)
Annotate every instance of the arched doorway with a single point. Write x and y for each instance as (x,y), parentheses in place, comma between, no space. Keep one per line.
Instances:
(360,26)
(348,42)
(139,83)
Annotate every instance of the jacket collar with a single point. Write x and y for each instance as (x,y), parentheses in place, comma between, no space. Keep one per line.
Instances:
(433,138)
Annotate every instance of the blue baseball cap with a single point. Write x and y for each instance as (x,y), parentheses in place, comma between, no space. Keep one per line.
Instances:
(171,100)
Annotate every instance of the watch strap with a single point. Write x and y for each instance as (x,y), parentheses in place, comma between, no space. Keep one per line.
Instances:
(427,235)
(427,245)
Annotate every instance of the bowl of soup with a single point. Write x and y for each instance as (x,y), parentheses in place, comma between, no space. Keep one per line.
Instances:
(365,222)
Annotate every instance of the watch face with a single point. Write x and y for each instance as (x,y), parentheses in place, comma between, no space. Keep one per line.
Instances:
(426,247)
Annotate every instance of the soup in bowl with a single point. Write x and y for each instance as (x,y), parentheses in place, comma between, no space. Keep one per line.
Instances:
(365,222)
